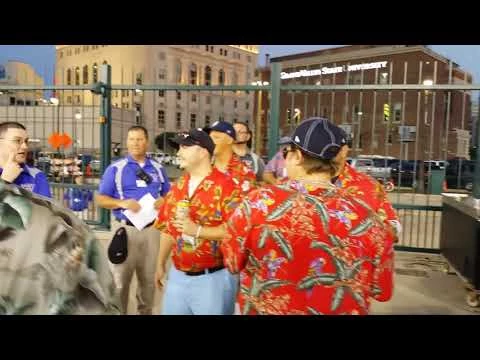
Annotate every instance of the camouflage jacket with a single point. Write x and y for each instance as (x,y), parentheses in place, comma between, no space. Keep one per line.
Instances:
(50,261)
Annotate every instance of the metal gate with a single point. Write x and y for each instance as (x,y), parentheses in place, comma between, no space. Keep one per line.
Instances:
(377,113)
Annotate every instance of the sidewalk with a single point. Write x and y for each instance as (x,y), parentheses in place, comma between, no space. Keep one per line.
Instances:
(422,287)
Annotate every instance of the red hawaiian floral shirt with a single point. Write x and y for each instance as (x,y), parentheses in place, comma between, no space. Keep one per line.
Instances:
(241,174)
(308,251)
(365,188)
(211,204)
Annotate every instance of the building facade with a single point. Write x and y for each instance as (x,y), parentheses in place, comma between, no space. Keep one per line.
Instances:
(403,124)
(163,111)
(19,73)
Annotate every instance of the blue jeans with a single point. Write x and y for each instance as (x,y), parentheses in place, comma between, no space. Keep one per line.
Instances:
(209,294)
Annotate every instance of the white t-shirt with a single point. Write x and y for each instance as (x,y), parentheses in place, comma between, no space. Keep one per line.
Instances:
(192,186)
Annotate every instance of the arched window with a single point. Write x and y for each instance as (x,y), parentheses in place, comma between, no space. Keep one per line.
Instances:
(69,77)
(85,74)
(221,77)
(77,76)
(208,75)
(193,74)
(95,73)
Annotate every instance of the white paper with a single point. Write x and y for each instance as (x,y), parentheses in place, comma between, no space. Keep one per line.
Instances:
(146,215)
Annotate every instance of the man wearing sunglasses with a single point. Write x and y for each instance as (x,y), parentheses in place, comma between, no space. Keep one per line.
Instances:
(307,247)
(198,282)
(13,157)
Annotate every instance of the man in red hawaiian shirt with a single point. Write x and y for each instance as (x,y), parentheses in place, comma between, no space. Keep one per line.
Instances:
(367,189)
(198,282)
(223,136)
(307,247)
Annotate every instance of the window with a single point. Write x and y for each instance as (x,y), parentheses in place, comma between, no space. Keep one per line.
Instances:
(221,51)
(85,47)
(28,103)
(397,112)
(208,100)
(211,49)
(69,99)
(390,139)
(235,104)
(178,123)
(194,98)
(208,75)
(225,53)
(60,54)
(125,105)
(162,74)
(12,101)
(77,76)
(125,93)
(221,77)
(193,74)
(207,120)
(325,112)
(85,74)
(77,99)
(138,113)
(383,78)
(77,51)
(161,56)
(249,58)
(247,105)
(69,77)
(69,52)
(247,121)
(179,95)
(139,79)
(289,116)
(178,71)
(161,93)
(193,121)
(20,102)
(161,118)
(206,47)
(95,73)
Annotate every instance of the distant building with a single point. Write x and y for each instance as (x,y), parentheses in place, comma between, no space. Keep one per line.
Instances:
(19,73)
(163,111)
(403,124)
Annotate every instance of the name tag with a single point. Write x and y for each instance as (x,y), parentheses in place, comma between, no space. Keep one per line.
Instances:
(141,183)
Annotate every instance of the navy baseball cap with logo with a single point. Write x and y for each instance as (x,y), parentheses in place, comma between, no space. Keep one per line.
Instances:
(194,137)
(224,127)
(319,138)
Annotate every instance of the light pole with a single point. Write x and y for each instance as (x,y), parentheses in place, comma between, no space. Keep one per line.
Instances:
(421,185)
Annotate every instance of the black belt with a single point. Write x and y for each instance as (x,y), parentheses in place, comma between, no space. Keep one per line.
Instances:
(204,271)
(128,223)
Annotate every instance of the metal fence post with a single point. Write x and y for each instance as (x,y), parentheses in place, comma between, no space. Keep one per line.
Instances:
(274,122)
(476,178)
(106,130)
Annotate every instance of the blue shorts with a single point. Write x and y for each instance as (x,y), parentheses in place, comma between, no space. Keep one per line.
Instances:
(209,294)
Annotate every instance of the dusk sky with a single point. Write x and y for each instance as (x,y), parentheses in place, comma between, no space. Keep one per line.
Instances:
(42,57)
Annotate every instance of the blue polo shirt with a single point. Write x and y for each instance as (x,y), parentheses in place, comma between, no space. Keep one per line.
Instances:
(120,181)
(33,180)
(78,199)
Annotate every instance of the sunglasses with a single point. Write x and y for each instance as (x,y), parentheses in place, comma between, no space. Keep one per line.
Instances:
(285,152)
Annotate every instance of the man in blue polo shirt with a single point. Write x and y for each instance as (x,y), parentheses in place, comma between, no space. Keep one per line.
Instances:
(13,155)
(122,185)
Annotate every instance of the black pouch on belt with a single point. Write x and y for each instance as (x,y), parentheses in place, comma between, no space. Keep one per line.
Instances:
(118,248)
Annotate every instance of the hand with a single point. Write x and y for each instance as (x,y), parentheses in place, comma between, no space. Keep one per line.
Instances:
(131,204)
(186,226)
(159,275)
(158,203)
(11,169)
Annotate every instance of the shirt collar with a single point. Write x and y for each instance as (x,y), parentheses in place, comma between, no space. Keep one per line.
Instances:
(131,160)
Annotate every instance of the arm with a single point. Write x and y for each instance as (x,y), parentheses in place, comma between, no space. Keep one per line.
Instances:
(166,244)
(383,272)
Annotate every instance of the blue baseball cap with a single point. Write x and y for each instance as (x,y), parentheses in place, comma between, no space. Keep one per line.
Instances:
(224,127)
(319,138)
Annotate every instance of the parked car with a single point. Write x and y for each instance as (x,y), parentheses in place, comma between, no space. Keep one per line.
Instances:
(459,174)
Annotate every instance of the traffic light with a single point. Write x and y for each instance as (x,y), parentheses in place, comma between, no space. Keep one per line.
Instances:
(386,112)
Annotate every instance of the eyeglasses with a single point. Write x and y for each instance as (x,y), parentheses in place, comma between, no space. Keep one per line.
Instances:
(19,142)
